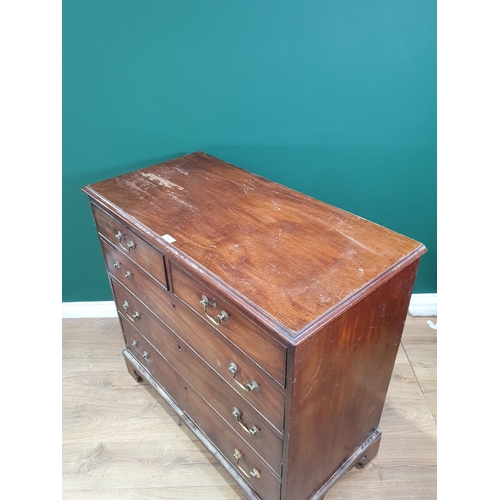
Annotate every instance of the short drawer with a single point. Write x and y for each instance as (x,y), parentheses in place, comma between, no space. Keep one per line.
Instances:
(132,276)
(131,245)
(225,316)
(267,485)
(233,408)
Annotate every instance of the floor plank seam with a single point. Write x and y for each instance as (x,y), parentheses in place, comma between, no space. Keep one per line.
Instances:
(403,466)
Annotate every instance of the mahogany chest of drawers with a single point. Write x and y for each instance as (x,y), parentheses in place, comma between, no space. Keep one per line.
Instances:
(268,320)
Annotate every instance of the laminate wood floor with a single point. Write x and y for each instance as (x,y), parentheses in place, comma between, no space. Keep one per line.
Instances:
(122,441)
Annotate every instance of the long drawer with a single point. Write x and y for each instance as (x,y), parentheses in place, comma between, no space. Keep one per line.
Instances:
(227,360)
(222,314)
(253,427)
(131,245)
(245,461)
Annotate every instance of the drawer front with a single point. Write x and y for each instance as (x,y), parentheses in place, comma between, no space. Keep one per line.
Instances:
(223,315)
(210,345)
(131,245)
(235,410)
(268,486)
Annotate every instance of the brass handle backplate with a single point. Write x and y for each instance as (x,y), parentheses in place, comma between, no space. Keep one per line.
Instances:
(222,316)
(251,386)
(134,316)
(252,431)
(254,473)
(129,246)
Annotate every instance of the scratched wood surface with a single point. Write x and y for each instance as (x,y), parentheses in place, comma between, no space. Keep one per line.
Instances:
(258,237)
(121,441)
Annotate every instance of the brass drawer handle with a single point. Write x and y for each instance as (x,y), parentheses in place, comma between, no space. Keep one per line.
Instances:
(134,316)
(145,354)
(129,246)
(128,274)
(251,386)
(223,316)
(253,474)
(253,431)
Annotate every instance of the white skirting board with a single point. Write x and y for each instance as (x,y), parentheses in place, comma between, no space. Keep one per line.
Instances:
(421,304)
(104,309)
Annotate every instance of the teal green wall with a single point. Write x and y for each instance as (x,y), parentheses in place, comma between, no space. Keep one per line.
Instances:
(336,99)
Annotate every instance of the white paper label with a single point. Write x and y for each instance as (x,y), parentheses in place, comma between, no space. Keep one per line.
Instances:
(168,238)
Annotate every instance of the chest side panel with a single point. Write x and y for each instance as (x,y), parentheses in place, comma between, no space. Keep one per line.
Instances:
(340,379)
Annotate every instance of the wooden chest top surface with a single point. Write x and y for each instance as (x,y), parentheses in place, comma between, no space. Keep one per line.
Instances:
(294,257)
